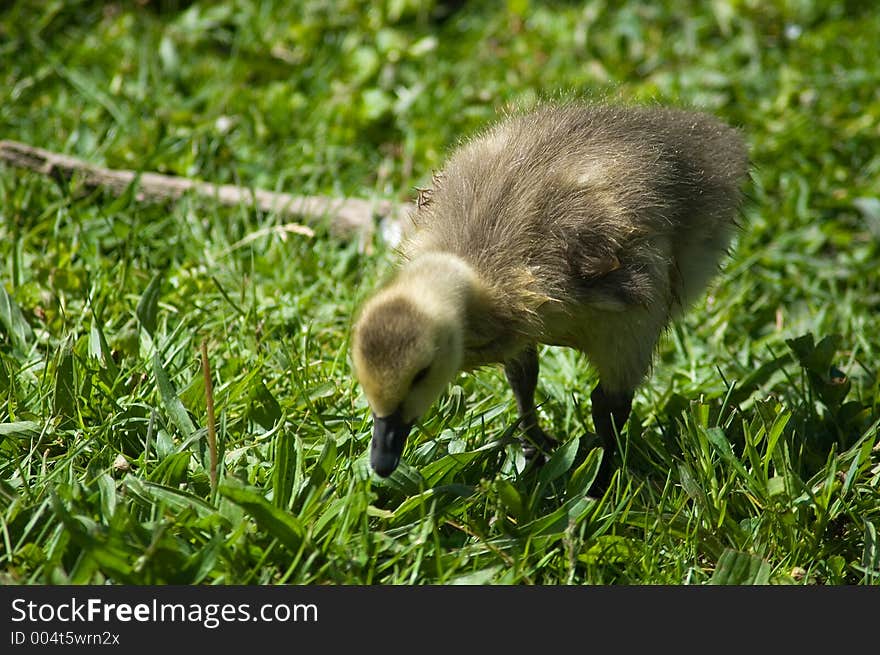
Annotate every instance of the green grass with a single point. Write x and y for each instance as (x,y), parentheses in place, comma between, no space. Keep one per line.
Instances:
(753,450)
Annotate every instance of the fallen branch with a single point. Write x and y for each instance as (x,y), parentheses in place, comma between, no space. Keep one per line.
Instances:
(346,216)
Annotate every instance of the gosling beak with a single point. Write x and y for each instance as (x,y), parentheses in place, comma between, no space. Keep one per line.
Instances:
(389,437)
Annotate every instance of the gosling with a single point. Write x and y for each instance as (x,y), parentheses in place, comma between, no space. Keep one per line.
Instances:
(579,225)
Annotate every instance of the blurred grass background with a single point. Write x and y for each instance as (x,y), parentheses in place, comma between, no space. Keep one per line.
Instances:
(752,455)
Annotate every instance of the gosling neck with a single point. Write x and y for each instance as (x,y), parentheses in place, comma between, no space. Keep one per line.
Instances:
(441,283)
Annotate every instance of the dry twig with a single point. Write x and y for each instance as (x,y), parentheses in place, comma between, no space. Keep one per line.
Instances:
(347,216)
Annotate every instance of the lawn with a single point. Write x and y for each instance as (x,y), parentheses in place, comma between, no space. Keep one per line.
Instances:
(753,450)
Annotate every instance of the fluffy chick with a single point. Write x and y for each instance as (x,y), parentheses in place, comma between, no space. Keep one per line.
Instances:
(579,225)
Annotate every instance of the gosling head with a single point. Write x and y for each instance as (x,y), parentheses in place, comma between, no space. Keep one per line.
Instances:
(407,346)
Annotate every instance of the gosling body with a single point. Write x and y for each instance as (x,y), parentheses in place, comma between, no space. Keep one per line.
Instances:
(578,225)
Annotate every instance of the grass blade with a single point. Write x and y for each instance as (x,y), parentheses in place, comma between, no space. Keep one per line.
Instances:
(173,405)
(559,464)
(737,568)
(19,330)
(278,523)
(284,469)
(64,396)
(148,306)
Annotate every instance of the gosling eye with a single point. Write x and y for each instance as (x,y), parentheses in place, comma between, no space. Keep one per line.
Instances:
(421,375)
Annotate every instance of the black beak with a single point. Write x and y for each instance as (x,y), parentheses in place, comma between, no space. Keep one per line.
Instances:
(389,437)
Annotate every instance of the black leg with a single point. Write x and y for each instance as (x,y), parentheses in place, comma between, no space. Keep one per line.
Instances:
(610,413)
(522,374)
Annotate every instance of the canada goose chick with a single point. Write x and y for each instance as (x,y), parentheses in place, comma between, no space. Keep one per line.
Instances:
(576,225)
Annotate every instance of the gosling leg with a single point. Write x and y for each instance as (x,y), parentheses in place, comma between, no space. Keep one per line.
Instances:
(611,411)
(522,374)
